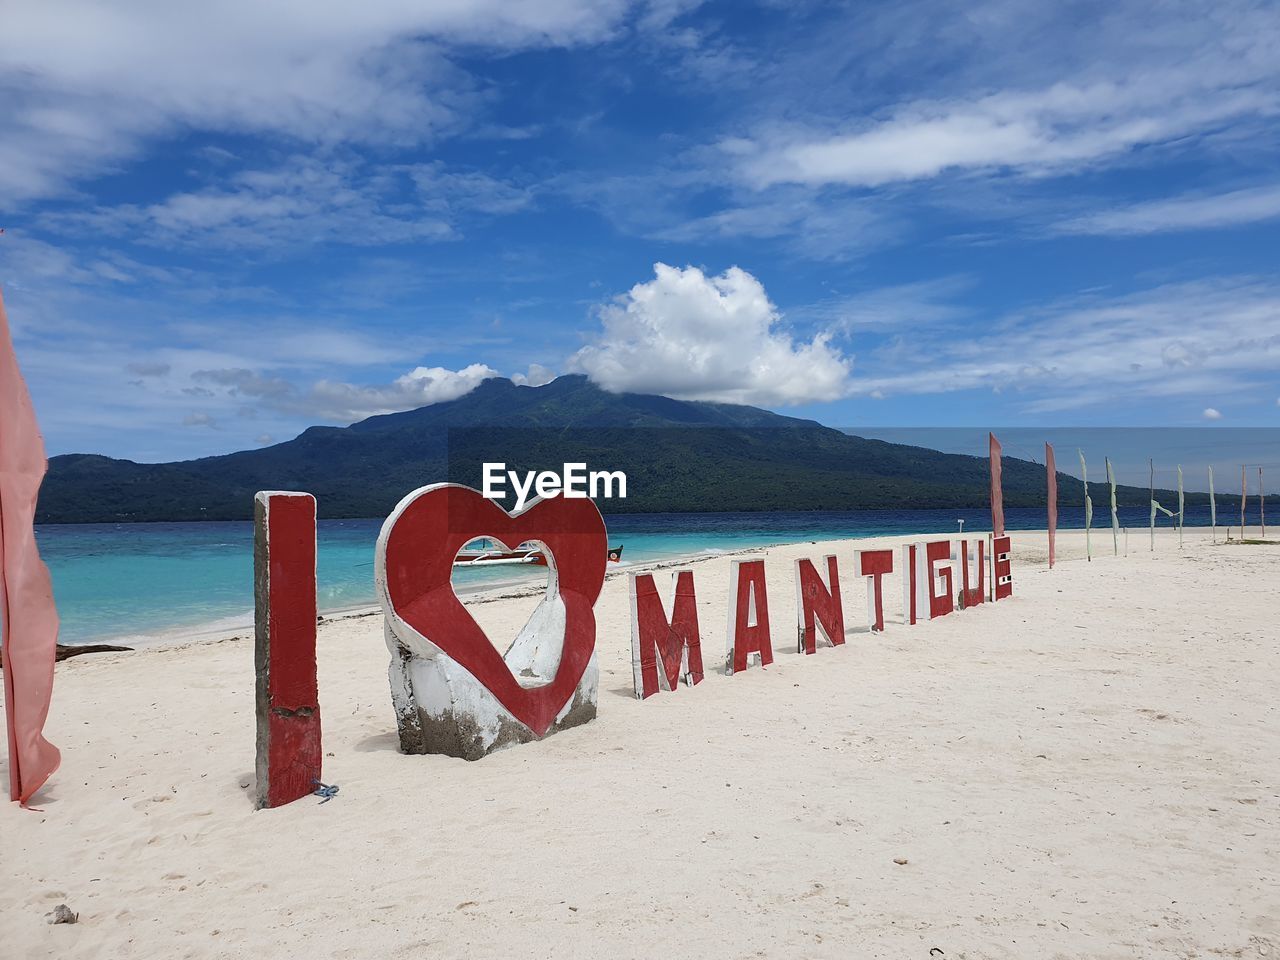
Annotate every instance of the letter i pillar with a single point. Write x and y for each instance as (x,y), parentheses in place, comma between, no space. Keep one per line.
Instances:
(288,710)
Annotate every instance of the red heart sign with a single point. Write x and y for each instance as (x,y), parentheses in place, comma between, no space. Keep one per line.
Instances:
(414,567)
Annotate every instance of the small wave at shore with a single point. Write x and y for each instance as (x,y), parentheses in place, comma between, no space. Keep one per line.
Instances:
(148,583)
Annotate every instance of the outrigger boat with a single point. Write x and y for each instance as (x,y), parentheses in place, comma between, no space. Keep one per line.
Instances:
(483,552)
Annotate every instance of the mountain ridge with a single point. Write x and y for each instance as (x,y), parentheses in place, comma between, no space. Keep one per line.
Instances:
(679,455)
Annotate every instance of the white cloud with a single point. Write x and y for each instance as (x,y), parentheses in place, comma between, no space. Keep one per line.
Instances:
(859,117)
(920,89)
(145,369)
(1178,340)
(659,14)
(419,387)
(816,227)
(693,337)
(336,401)
(655,201)
(84,83)
(243,382)
(536,377)
(1189,212)
(1211,414)
(925,303)
(308,200)
(1057,129)
(114,366)
(451,191)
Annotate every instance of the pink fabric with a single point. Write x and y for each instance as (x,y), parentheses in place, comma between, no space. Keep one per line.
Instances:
(1052,469)
(997,494)
(28,618)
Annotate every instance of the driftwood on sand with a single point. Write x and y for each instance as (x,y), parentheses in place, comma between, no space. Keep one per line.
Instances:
(68,650)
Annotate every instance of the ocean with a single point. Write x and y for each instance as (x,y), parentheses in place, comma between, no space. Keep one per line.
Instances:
(130,581)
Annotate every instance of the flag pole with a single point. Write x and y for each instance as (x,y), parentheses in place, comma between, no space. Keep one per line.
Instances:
(1182,506)
(1115,519)
(1152,465)
(1051,485)
(1088,506)
(1213,507)
(1244,498)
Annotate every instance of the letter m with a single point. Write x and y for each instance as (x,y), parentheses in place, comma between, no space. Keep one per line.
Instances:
(663,650)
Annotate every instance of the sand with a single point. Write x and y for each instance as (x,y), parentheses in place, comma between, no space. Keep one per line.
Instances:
(1089,769)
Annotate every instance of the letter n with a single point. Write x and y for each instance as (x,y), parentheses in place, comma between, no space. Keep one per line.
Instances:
(818,605)
(748,616)
(288,710)
(662,650)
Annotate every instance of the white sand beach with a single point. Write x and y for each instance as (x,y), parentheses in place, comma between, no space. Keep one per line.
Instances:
(1090,769)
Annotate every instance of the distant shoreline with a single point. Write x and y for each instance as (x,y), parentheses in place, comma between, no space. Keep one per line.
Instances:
(160,584)
(1227,501)
(226,629)
(241,626)
(1069,511)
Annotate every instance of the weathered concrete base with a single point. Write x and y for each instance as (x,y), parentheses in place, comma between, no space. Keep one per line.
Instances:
(441,708)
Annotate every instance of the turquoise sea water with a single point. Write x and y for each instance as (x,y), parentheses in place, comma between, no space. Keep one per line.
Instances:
(114,581)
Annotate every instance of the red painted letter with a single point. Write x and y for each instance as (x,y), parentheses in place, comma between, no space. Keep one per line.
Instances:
(1001,572)
(874,564)
(675,642)
(973,572)
(910,591)
(748,616)
(413,570)
(938,578)
(289,754)
(818,605)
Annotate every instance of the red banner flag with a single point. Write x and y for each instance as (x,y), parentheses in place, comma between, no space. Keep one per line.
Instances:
(997,495)
(1051,468)
(28,618)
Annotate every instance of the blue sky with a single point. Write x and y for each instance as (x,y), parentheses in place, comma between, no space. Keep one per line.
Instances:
(223,225)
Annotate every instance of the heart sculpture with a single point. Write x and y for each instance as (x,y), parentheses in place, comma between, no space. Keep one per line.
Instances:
(414,568)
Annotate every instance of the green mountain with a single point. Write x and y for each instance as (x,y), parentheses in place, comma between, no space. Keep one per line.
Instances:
(678,456)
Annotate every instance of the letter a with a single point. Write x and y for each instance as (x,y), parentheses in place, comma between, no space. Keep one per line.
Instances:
(748,616)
